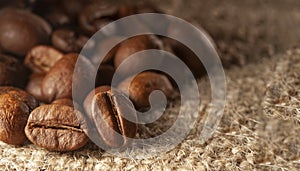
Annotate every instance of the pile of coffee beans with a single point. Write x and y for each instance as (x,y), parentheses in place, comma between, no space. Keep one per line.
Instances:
(40,43)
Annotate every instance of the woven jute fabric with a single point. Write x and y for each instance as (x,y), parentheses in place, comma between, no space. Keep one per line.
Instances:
(246,138)
(283,92)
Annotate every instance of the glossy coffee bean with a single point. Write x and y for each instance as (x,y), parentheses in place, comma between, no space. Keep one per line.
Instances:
(58,82)
(56,128)
(129,47)
(15,107)
(94,16)
(58,18)
(21,30)
(143,84)
(68,40)
(34,86)
(12,72)
(41,58)
(108,110)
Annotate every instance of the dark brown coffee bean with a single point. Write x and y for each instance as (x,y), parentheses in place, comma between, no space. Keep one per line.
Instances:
(73,7)
(12,72)
(94,16)
(108,109)
(34,86)
(58,18)
(15,107)
(143,84)
(21,30)
(58,82)
(41,58)
(68,40)
(89,97)
(105,75)
(56,128)
(129,47)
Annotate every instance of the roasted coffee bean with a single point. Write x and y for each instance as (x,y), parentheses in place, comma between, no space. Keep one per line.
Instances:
(21,30)
(15,107)
(129,47)
(68,40)
(34,86)
(58,82)
(105,75)
(143,84)
(68,102)
(109,109)
(94,16)
(73,7)
(56,128)
(12,72)
(41,58)
(58,18)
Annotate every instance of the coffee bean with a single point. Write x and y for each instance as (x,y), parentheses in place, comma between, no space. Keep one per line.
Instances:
(12,72)
(129,47)
(68,40)
(58,82)
(41,58)
(94,16)
(105,75)
(143,84)
(15,107)
(68,102)
(21,30)
(34,86)
(109,109)
(56,128)
(57,18)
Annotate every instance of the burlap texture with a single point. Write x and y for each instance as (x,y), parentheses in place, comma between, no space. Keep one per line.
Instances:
(283,92)
(246,139)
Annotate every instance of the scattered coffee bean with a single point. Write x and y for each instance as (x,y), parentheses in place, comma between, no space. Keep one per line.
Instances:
(68,40)
(21,30)
(34,86)
(58,18)
(58,82)
(94,16)
(108,110)
(41,58)
(12,72)
(56,128)
(15,107)
(143,84)
(129,47)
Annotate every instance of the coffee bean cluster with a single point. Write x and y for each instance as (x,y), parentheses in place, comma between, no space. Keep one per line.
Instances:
(40,43)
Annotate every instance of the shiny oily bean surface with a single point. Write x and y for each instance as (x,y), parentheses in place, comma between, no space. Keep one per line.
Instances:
(143,84)
(56,128)
(108,110)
